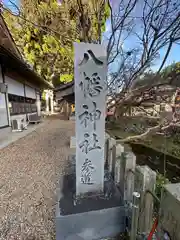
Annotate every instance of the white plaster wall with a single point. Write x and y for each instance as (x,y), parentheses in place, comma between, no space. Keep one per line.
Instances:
(17,88)
(30,92)
(14,87)
(32,85)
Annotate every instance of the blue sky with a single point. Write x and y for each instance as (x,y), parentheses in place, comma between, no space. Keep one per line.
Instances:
(8,4)
(174,55)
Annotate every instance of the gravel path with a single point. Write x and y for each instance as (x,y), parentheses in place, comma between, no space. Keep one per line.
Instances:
(29,173)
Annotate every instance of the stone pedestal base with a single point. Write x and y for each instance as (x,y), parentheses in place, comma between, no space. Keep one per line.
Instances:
(90,217)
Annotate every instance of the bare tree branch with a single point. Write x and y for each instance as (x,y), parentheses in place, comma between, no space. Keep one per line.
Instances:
(149,132)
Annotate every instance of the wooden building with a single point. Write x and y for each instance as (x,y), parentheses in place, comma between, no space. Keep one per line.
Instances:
(20,86)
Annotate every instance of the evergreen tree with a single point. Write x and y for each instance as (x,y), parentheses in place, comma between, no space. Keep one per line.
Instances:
(44,32)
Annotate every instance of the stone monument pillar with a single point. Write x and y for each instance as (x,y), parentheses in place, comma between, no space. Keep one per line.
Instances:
(90,102)
(89,198)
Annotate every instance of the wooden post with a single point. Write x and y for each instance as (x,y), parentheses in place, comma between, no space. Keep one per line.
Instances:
(106,153)
(69,110)
(113,160)
(38,104)
(122,172)
(110,157)
(112,143)
(47,101)
(106,150)
(105,147)
(52,105)
(145,180)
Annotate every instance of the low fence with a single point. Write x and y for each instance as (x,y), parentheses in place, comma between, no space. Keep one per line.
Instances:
(136,184)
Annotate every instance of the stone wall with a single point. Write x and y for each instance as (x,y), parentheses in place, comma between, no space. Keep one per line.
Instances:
(169,220)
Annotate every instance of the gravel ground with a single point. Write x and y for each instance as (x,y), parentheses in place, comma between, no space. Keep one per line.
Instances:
(29,172)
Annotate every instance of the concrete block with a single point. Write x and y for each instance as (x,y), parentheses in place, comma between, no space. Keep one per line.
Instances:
(92,225)
(91,217)
(169,220)
(145,179)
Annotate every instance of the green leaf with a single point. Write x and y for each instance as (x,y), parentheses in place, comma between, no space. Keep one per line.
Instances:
(49,48)
(66,78)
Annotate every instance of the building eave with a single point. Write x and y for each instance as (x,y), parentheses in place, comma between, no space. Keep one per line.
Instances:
(64,86)
(7,38)
(16,64)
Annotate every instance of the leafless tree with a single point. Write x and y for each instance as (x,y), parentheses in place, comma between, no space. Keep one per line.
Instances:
(139,30)
(149,30)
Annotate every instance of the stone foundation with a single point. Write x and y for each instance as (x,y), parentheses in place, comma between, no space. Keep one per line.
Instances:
(89,217)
